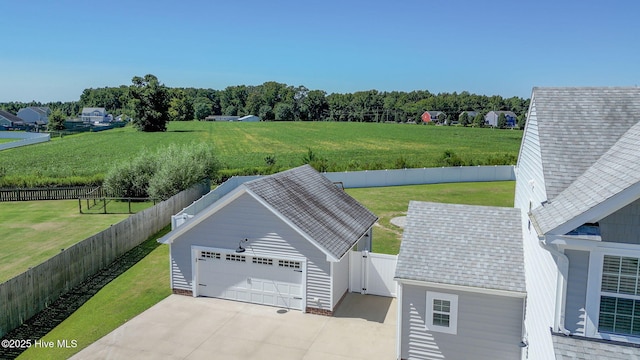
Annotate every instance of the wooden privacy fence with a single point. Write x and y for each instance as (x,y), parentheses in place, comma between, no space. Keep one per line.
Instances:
(61,193)
(30,292)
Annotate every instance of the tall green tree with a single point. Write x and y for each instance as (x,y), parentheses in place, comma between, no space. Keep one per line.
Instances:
(464,119)
(181,107)
(150,102)
(479,120)
(502,121)
(202,107)
(56,120)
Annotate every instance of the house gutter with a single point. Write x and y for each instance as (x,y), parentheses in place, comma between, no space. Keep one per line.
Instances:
(561,284)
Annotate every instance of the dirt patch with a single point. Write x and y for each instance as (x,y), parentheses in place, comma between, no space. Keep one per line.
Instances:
(45,226)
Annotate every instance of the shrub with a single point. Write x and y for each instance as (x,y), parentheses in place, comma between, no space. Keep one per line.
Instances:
(180,168)
(449,158)
(131,179)
(162,174)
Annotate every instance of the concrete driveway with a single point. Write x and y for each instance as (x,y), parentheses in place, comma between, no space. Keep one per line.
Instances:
(181,327)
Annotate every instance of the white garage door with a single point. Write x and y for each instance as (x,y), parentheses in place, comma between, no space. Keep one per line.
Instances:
(255,279)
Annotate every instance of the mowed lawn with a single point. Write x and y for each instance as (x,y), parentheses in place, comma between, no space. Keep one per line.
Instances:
(147,282)
(33,231)
(390,202)
(346,146)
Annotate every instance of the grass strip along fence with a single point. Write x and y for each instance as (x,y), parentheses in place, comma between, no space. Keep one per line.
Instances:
(54,314)
(32,291)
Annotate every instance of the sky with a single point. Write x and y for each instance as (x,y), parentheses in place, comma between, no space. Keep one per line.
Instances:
(53,50)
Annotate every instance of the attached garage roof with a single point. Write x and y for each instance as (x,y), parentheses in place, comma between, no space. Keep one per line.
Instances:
(463,245)
(310,201)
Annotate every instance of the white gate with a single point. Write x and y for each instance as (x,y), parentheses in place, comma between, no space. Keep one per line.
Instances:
(372,273)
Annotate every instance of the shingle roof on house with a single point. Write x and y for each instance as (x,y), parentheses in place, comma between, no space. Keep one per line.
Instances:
(614,172)
(9,116)
(465,245)
(89,110)
(580,348)
(316,206)
(577,125)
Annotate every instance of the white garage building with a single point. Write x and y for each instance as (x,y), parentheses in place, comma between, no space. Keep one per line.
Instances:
(281,240)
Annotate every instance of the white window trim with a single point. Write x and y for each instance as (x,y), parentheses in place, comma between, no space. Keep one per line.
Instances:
(453,313)
(594,283)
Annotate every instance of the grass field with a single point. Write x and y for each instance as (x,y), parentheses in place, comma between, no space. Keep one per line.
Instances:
(84,158)
(390,202)
(3,140)
(33,231)
(147,282)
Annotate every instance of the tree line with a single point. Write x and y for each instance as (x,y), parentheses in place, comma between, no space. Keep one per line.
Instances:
(273,101)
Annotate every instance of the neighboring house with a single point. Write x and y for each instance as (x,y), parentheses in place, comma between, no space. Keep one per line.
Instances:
(461,283)
(578,185)
(249,118)
(281,240)
(222,118)
(491,118)
(35,115)
(430,116)
(10,121)
(95,115)
(470,115)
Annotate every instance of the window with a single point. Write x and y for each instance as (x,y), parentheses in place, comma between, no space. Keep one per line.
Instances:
(263,261)
(234,257)
(620,296)
(289,264)
(442,312)
(209,255)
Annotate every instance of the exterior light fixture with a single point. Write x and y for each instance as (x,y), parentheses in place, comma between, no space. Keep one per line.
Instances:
(240,249)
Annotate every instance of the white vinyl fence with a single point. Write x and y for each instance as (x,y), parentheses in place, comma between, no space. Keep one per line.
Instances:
(26,138)
(372,273)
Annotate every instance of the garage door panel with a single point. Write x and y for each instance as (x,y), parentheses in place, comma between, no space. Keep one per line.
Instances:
(260,280)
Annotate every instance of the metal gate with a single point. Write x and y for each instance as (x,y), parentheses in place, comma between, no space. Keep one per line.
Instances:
(372,273)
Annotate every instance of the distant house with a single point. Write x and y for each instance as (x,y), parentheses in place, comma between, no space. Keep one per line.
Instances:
(232,118)
(470,114)
(35,115)
(491,118)
(431,116)
(8,121)
(95,115)
(461,288)
(249,118)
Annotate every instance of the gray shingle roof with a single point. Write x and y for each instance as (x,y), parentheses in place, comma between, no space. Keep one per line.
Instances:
(316,206)
(466,245)
(615,171)
(577,125)
(9,116)
(580,348)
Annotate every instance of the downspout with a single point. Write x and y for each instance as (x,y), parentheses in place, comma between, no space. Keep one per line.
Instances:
(561,284)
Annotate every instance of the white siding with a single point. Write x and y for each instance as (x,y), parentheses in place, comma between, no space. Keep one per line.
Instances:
(267,234)
(540,268)
(340,279)
(489,327)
